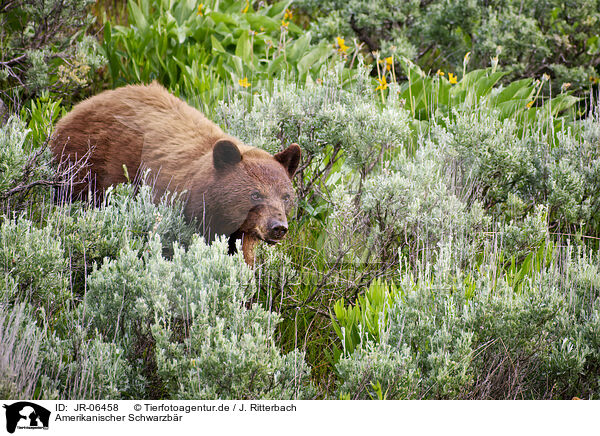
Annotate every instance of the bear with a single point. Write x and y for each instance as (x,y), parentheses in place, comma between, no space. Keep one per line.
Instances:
(232,189)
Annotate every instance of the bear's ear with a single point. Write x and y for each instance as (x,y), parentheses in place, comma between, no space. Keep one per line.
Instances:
(289,158)
(225,154)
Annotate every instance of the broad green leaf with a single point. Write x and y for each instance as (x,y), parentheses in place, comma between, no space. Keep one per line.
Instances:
(312,57)
(471,78)
(560,103)
(268,24)
(243,48)
(278,8)
(216,45)
(511,90)
(443,93)
(525,92)
(298,48)
(139,20)
(485,84)
(219,17)
(238,65)
(512,107)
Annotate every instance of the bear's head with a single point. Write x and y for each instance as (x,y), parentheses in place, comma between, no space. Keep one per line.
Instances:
(250,193)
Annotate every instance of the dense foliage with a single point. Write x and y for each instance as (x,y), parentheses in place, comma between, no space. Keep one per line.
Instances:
(445,241)
(203,50)
(529,38)
(44,48)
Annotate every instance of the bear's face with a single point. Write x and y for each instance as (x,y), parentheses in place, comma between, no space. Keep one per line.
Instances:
(270,201)
(251,192)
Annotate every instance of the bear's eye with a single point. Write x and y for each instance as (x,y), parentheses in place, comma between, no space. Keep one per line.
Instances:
(286,198)
(256,196)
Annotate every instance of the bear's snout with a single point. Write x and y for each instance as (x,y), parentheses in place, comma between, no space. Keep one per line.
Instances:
(276,230)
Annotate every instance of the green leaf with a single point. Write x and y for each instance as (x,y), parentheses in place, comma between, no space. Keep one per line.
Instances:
(216,45)
(278,8)
(512,107)
(299,47)
(471,78)
(593,44)
(485,84)
(257,21)
(274,67)
(243,48)
(139,20)
(318,53)
(560,103)
(219,17)
(443,92)
(519,89)
(238,65)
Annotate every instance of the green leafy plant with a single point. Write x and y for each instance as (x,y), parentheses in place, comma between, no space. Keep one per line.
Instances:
(366,319)
(201,50)
(527,38)
(432,97)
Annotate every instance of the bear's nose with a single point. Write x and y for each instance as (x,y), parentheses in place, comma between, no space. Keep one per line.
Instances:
(277,230)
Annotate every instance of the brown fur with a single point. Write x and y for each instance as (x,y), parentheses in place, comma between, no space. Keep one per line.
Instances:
(234,189)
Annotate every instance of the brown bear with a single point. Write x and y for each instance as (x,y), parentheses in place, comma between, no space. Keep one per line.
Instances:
(233,189)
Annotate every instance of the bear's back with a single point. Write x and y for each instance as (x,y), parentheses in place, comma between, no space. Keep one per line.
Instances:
(136,126)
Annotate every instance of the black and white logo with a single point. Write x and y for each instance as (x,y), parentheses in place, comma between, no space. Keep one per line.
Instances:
(26,415)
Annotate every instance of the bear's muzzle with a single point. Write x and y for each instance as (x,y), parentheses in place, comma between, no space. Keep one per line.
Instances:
(276,230)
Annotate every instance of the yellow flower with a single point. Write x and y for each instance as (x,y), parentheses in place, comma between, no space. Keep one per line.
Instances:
(452,78)
(565,86)
(388,63)
(594,79)
(530,104)
(288,15)
(466,62)
(440,73)
(342,47)
(200,7)
(246,8)
(284,23)
(244,82)
(494,63)
(382,84)
(545,77)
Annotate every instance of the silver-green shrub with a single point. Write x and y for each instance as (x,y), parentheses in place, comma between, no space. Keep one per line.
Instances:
(189,314)
(411,202)
(509,167)
(372,366)
(127,217)
(33,259)
(20,340)
(329,119)
(16,151)
(482,332)
(84,365)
